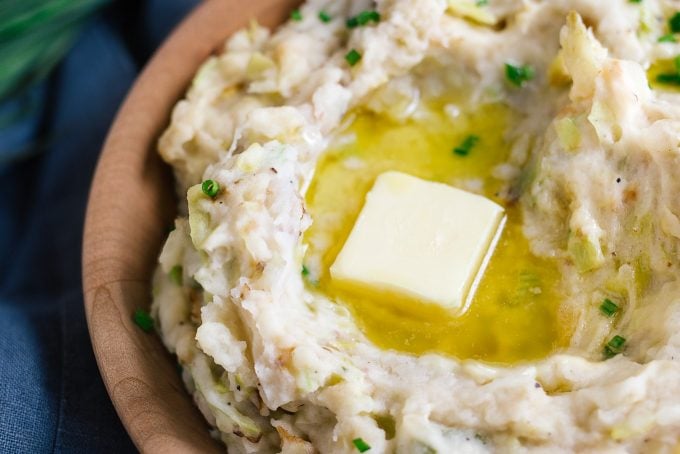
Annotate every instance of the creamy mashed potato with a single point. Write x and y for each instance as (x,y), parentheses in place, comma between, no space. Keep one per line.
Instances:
(545,107)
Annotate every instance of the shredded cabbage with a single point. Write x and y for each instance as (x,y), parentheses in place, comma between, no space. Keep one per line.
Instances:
(568,133)
(585,250)
(469,9)
(199,220)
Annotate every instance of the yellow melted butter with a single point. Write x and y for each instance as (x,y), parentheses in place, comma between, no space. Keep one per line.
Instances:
(514,315)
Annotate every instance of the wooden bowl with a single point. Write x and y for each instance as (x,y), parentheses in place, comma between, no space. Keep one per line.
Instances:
(130,208)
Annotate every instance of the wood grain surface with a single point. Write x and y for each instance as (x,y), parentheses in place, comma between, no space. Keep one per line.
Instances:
(130,208)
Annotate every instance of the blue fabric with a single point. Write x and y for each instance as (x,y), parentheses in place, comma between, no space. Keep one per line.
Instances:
(52,398)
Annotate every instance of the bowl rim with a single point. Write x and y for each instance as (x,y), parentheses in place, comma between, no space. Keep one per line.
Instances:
(126,221)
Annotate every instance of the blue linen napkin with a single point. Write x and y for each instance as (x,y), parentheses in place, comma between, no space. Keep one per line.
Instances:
(51,395)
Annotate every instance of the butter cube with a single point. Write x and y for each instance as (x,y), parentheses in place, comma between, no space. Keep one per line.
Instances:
(419,240)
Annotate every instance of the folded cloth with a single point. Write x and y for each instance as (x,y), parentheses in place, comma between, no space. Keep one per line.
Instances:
(51,395)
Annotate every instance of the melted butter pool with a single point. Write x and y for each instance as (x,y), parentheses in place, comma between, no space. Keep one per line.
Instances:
(514,315)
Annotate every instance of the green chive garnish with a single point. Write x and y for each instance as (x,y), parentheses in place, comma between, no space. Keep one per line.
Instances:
(363,18)
(609,307)
(296,15)
(466,146)
(210,188)
(143,320)
(305,271)
(324,17)
(361,445)
(668,78)
(635,1)
(482,2)
(518,75)
(671,78)
(614,346)
(674,23)
(617,342)
(353,57)
(676,63)
(176,274)
(669,38)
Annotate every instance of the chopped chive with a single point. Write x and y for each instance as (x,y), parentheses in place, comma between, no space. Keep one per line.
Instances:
(614,346)
(616,342)
(296,15)
(467,145)
(668,78)
(609,307)
(353,57)
(608,353)
(482,2)
(635,1)
(175,274)
(671,78)
(305,271)
(361,445)
(210,188)
(325,17)
(674,23)
(363,18)
(518,75)
(668,38)
(143,320)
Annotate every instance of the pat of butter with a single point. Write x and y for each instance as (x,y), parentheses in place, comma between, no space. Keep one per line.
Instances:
(419,240)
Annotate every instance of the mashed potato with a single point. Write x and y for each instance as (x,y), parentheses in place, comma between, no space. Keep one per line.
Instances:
(276,363)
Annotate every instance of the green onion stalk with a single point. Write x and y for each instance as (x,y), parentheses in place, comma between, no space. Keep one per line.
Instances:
(35,36)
